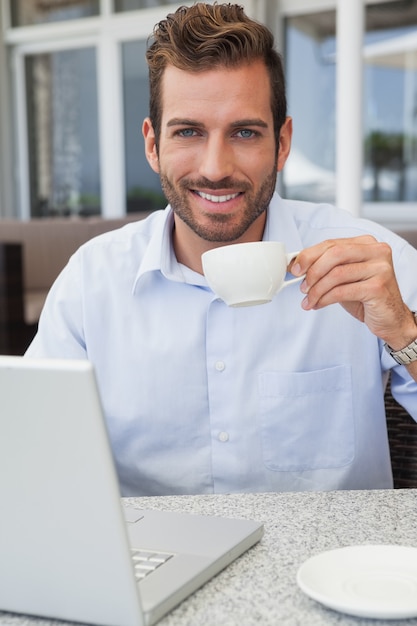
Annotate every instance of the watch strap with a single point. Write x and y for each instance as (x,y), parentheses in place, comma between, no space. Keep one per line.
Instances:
(406,355)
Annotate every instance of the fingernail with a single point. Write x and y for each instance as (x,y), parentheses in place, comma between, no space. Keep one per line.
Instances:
(304,287)
(296,269)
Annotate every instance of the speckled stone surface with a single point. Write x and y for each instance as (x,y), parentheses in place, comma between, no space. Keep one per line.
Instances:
(259,588)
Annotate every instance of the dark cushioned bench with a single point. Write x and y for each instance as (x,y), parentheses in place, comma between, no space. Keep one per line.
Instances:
(32,254)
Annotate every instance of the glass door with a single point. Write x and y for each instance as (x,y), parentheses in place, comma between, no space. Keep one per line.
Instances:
(389,180)
(143,190)
(28,12)
(80,95)
(63,143)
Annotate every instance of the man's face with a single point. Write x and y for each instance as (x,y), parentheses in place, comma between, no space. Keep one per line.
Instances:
(217,155)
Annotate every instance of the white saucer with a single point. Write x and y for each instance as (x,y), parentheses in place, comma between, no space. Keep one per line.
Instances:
(377,581)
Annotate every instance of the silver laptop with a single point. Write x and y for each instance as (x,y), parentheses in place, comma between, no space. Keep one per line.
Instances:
(69,548)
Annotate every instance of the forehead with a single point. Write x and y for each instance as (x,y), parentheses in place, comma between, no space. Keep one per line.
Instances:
(244,92)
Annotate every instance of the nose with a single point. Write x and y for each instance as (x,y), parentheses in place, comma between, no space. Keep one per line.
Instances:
(216,160)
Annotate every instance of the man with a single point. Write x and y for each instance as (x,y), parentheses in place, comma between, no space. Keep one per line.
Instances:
(200,397)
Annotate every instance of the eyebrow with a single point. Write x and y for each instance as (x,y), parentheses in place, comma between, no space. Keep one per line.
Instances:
(249,122)
(179,121)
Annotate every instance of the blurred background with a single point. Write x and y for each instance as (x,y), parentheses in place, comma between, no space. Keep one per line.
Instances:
(73,94)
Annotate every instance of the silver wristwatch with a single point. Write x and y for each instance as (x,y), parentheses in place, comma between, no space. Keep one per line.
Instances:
(406,355)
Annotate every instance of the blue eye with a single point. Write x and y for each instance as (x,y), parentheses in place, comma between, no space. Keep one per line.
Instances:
(186,132)
(246,133)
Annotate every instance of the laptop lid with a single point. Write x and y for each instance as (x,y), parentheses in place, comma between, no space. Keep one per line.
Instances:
(64,544)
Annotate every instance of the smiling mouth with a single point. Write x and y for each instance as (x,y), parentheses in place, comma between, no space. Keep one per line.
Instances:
(217,199)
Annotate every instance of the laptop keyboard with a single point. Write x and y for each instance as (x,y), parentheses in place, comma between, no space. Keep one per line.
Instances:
(145,562)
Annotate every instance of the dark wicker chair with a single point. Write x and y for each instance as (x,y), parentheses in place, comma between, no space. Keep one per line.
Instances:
(402,435)
(402,429)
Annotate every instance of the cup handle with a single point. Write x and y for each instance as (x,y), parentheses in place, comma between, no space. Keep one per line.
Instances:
(290,256)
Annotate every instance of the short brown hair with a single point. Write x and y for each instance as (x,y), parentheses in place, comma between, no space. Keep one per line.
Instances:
(203,36)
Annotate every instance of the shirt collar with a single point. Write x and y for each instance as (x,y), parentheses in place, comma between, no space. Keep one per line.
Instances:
(159,254)
(281,226)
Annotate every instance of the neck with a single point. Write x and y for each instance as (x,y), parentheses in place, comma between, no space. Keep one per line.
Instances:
(189,247)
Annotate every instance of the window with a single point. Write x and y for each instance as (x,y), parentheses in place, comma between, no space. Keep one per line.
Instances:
(63,133)
(310,52)
(29,12)
(80,94)
(132,5)
(391,115)
(390,108)
(143,190)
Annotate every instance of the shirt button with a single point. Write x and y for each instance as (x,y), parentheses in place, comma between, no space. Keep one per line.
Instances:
(223,437)
(220,366)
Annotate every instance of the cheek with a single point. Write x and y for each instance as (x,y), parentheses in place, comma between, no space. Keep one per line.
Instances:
(177,164)
(259,165)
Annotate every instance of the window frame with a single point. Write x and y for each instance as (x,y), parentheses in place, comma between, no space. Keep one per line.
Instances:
(106,33)
(394,215)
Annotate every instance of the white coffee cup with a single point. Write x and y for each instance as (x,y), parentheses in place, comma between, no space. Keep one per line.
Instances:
(246,274)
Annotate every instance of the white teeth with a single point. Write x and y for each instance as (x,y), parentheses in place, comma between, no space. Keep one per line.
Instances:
(208,196)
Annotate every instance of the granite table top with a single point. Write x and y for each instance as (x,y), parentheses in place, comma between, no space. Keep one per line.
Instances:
(260,587)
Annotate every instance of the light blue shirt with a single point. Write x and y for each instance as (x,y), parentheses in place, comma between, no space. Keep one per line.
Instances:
(203,398)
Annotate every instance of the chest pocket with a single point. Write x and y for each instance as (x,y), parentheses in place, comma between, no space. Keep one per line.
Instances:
(307,419)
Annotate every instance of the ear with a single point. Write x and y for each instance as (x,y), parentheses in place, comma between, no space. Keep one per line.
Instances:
(150,144)
(284,143)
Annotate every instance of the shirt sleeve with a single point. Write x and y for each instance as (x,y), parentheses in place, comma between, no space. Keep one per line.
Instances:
(403,387)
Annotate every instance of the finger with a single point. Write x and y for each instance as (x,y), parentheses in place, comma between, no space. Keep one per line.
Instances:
(350,283)
(309,256)
(338,259)
(372,281)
